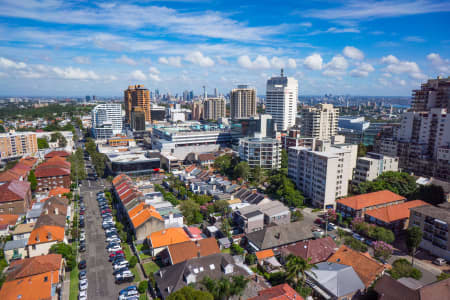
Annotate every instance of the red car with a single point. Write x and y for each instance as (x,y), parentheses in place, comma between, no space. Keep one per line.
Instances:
(108,210)
(116,253)
(82,212)
(318,221)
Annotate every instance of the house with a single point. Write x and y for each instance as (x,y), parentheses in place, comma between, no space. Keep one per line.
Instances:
(144,220)
(56,153)
(335,281)
(53,173)
(58,191)
(388,288)
(249,219)
(356,206)
(29,161)
(251,196)
(367,268)
(394,217)
(160,240)
(7,223)
(22,231)
(274,236)
(268,261)
(278,292)
(180,252)
(191,272)
(15,249)
(15,197)
(40,277)
(194,233)
(42,238)
(34,213)
(206,159)
(318,250)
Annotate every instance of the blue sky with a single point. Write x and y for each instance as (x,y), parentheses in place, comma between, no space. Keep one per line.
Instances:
(75,48)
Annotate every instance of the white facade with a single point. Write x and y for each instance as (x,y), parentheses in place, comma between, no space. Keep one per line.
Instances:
(320,122)
(373,165)
(281,101)
(108,115)
(321,176)
(243,102)
(262,152)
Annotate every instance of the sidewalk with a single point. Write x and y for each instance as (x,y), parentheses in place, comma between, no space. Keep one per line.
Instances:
(66,288)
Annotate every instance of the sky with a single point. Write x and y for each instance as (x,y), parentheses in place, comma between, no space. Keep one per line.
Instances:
(79,47)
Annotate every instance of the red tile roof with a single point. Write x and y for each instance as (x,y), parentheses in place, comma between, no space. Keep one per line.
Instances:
(29,161)
(14,190)
(395,212)
(33,266)
(56,161)
(58,191)
(57,153)
(33,287)
(183,251)
(318,250)
(51,172)
(371,199)
(278,292)
(46,234)
(264,254)
(167,237)
(10,220)
(9,175)
(141,213)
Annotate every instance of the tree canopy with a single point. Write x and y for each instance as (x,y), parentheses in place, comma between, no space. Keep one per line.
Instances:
(42,143)
(189,293)
(225,288)
(191,211)
(398,182)
(33,181)
(281,187)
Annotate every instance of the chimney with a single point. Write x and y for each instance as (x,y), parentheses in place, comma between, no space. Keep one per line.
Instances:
(56,211)
(49,236)
(46,211)
(37,237)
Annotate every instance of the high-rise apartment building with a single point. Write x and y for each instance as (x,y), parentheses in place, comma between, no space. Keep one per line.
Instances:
(281,100)
(214,108)
(320,122)
(322,176)
(137,96)
(260,152)
(371,166)
(106,120)
(243,102)
(16,144)
(198,110)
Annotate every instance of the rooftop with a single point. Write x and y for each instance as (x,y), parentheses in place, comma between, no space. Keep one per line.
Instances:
(434,212)
(278,292)
(371,199)
(166,237)
(46,234)
(14,191)
(318,250)
(190,249)
(395,212)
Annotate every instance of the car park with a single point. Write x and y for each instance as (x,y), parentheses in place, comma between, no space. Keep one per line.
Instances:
(120,271)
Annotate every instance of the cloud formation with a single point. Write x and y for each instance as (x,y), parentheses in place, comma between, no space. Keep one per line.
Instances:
(138,75)
(174,61)
(440,64)
(353,53)
(313,62)
(198,58)
(126,60)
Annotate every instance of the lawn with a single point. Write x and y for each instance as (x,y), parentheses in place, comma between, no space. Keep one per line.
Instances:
(143,297)
(150,268)
(74,284)
(140,251)
(127,250)
(226,251)
(137,277)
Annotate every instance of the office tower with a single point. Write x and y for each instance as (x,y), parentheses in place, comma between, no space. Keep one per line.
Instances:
(106,120)
(138,119)
(216,93)
(16,144)
(158,113)
(433,94)
(372,165)
(281,100)
(243,102)
(260,152)
(88,98)
(198,110)
(186,95)
(320,122)
(137,96)
(94,98)
(322,176)
(191,95)
(214,108)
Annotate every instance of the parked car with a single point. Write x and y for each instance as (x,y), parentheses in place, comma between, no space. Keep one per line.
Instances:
(82,295)
(126,276)
(116,253)
(128,289)
(128,294)
(82,248)
(82,265)
(332,226)
(83,286)
(358,237)
(82,275)
(114,248)
(318,221)
(120,271)
(112,258)
(120,264)
(439,261)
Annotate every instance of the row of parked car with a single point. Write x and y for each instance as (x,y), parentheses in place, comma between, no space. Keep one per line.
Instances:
(116,254)
(83,282)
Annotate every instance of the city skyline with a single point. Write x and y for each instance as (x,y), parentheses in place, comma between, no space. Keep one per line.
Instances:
(71,48)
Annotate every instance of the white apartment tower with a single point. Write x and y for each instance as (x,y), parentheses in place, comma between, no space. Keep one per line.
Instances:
(214,108)
(260,151)
(320,122)
(243,102)
(281,100)
(107,120)
(321,176)
(373,165)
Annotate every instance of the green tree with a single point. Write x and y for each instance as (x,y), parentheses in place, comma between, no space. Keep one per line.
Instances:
(67,253)
(221,206)
(242,170)
(398,182)
(223,164)
(142,287)
(284,159)
(33,181)
(236,249)
(296,216)
(225,288)
(281,187)
(42,143)
(2,129)
(189,293)
(443,276)
(256,174)
(413,239)
(191,212)
(362,150)
(297,265)
(250,259)
(403,268)
(433,194)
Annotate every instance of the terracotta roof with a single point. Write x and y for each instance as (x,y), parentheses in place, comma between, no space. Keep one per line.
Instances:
(367,268)
(318,250)
(264,254)
(141,213)
(24,228)
(9,175)
(190,168)
(278,292)
(45,234)
(190,249)
(51,172)
(166,237)
(206,157)
(14,190)
(8,220)
(57,153)
(32,287)
(119,178)
(29,161)
(58,191)
(55,161)
(371,199)
(33,266)
(395,212)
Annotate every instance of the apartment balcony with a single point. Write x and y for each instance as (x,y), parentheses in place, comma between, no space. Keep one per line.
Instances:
(428,229)
(429,221)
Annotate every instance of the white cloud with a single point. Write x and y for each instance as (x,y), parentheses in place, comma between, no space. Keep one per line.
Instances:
(126,60)
(333,73)
(415,39)
(174,61)
(153,70)
(75,73)
(396,66)
(335,30)
(84,60)
(111,77)
(353,53)
(221,61)
(338,63)
(291,63)
(388,75)
(390,59)
(260,62)
(9,64)
(198,58)
(442,65)
(154,77)
(402,82)
(362,70)
(277,62)
(138,75)
(313,62)
(306,24)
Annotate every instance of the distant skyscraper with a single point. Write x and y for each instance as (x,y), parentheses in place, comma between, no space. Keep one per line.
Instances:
(191,95)
(137,96)
(88,98)
(186,95)
(197,110)
(106,120)
(214,108)
(216,93)
(320,122)
(281,100)
(243,102)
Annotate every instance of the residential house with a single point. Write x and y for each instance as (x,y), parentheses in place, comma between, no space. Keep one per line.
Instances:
(34,213)
(394,217)
(249,219)
(367,268)
(144,220)
(56,153)
(59,192)
(251,196)
(53,173)
(335,281)
(317,251)
(191,272)
(160,240)
(356,206)
(278,292)
(40,277)
(42,238)
(388,288)
(434,222)
(15,249)
(274,236)
(15,197)
(7,223)
(22,231)
(180,252)
(206,159)
(268,261)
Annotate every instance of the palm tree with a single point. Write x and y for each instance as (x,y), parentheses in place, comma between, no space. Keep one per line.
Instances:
(296,265)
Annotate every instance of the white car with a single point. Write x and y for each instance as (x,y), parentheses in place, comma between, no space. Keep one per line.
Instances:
(83,281)
(331,225)
(116,240)
(114,249)
(82,295)
(83,286)
(112,238)
(120,265)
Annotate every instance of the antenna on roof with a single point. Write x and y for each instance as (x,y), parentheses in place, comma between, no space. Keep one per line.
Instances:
(282,71)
